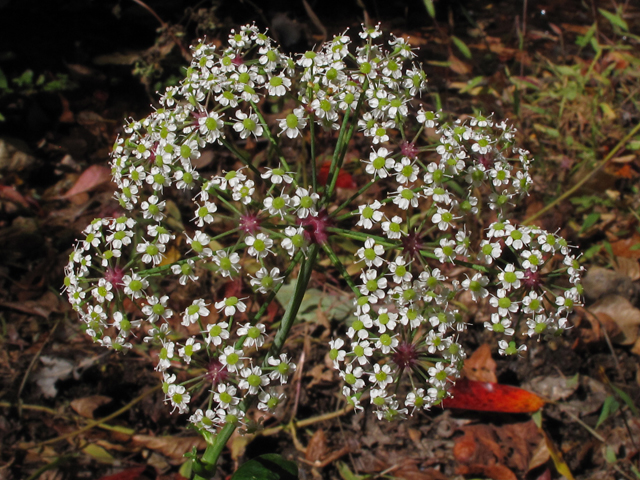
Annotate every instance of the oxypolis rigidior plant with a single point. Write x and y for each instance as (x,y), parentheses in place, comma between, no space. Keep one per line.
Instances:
(415,217)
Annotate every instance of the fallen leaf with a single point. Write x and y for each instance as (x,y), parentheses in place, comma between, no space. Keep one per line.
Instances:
(345,180)
(480,366)
(86,406)
(497,451)
(317,447)
(55,369)
(91,178)
(12,195)
(540,456)
(629,267)
(495,472)
(99,454)
(553,387)
(627,247)
(623,313)
(598,282)
(171,447)
(128,474)
(458,66)
(491,397)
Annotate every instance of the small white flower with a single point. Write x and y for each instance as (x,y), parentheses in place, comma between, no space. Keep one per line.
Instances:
(369,215)
(259,246)
(292,124)
(194,311)
(371,253)
(305,202)
(230,305)
(283,368)
(216,333)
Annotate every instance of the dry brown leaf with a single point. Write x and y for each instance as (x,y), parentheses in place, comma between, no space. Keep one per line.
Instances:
(552,387)
(317,447)
(623,313)
(480,366)
(171,447)
(496,451)
(629,267)
(599,282)
(320,374)
(458,66)
(624,248)
(540,455)
(87,405)
(495,472)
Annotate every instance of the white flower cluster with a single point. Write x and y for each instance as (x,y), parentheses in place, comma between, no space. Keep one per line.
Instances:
(270,214)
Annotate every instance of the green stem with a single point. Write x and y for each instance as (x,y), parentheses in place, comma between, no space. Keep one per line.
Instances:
(362,236)
(351,199)
(343,271)
(271,138)
(342,143)
(214,450)
(240,156)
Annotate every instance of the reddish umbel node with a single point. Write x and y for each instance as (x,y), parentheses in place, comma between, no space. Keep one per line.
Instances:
(409,149)
(114,277)
(412,244)
(216,372)
(249,223)
(315,228)
(485,160)
(532,279)
(406,355)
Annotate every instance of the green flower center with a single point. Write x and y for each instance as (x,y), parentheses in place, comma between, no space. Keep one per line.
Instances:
(292,120)
(253,332)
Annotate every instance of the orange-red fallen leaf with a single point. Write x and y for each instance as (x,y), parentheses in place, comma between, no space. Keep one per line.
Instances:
(492,397)
(625,172)
(91,178)
(345,180)
(128,474)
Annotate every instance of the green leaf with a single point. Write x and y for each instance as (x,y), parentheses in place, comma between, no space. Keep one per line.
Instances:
(592,251)
(186,468)
(609,407)
(472,84)
(347,474)
(567,70)
(583,40)
(461,46)
(2,119)
(614,19)
(269,466)
(431,9)
(98,453)
(610,454)
(626,399)
(333,305)
(548,131)
(590,221)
